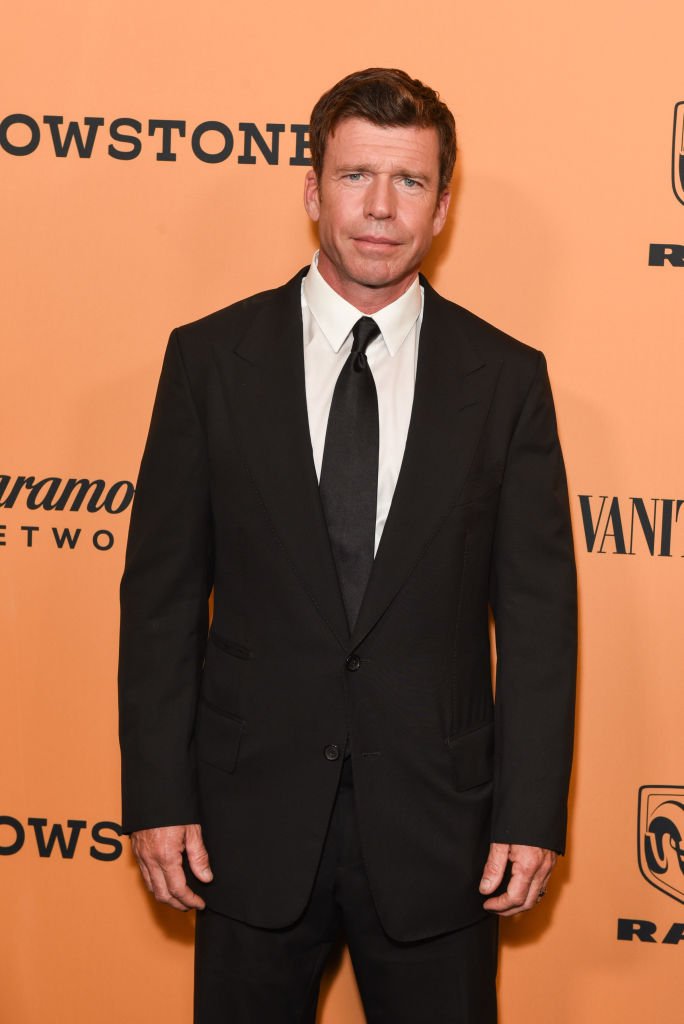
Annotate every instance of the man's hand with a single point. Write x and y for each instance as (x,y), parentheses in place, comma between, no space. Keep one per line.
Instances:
(158,852)
(530,873)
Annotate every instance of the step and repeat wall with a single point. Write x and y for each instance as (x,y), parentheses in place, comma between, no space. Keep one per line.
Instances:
(152,161)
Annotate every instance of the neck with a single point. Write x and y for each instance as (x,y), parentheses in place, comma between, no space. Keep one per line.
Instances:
(363,297)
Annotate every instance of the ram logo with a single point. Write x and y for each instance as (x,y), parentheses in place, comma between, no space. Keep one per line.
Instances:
(661,838)
(678,151)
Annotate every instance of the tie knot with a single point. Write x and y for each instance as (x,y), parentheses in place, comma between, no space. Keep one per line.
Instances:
(364,331)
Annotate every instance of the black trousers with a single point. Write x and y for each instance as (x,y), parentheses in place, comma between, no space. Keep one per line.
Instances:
(249,975)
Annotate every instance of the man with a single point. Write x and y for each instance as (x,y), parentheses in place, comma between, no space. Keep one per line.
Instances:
(359,469)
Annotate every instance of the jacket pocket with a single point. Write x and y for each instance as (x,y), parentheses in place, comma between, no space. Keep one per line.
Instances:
(472,757)
(218,734)
(230,646)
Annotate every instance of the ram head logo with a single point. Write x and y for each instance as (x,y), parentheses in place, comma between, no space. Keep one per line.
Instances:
(661,838)
(678,151)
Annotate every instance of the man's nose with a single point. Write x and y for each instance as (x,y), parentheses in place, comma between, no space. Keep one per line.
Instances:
(380,199)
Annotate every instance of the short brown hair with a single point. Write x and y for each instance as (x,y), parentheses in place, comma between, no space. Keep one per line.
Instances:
(390,98)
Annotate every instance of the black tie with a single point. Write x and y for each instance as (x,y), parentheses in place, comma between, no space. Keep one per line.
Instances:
(349,471)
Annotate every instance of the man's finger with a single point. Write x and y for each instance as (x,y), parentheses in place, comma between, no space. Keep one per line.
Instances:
(540,880)
(537,888)
(534,888)
(198,858)
(532,868)
(513,899)
(178,888)
(160,889)
(545,883)
(145,875)
(140,860)
(158,852)
(494,868)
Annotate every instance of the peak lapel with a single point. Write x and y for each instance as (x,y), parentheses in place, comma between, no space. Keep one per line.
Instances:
(453,389)
(264,377)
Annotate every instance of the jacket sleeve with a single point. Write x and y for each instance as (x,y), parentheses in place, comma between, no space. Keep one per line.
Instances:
(164,609)
(533,595)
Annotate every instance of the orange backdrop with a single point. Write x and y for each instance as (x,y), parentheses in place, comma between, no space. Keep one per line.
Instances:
(565,119)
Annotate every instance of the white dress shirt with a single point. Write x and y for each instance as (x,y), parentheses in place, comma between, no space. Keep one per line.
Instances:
(392,356)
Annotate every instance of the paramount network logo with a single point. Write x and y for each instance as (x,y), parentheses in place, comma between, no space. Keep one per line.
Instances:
(660,253)
(56,494)
(123,138)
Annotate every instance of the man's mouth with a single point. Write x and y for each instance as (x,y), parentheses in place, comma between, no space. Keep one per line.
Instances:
(376,240)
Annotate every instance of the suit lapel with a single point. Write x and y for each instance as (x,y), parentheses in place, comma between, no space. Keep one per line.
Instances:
(264,378)
(264,375)
(453,389)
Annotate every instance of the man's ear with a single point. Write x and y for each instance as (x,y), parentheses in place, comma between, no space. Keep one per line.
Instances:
(312,195)
(441,210)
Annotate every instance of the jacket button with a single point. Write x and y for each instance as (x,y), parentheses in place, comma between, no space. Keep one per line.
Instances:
(332,752)
(353,663)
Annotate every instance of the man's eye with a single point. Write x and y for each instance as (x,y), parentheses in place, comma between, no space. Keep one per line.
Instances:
(410,182)
(354,175)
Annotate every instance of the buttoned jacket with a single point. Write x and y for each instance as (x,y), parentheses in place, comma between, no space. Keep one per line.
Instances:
(239,680)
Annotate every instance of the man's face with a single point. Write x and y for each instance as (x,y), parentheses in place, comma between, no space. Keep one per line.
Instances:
(377,206)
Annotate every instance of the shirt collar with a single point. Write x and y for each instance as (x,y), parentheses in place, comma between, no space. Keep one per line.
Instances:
(336,317)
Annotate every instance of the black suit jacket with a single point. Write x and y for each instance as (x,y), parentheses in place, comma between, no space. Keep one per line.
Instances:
(236,726)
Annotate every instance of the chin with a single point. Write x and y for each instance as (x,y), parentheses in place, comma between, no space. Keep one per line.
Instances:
(376,274)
